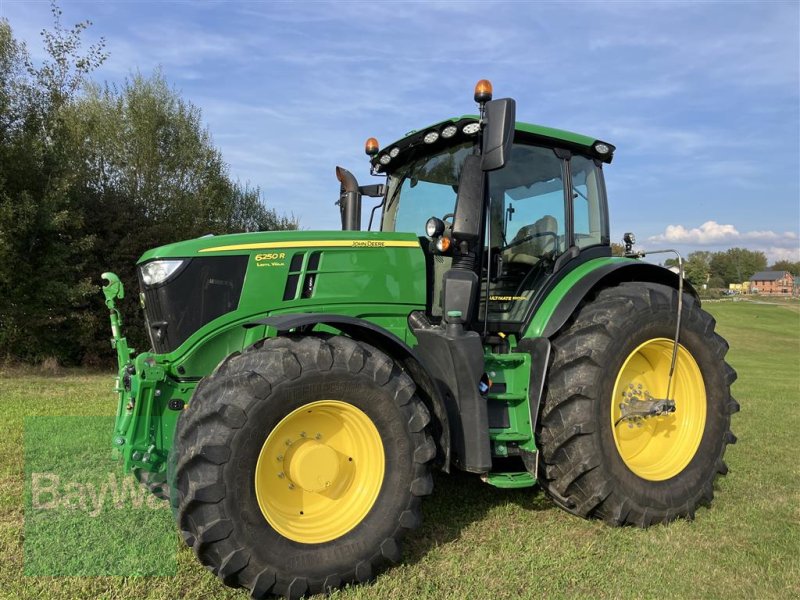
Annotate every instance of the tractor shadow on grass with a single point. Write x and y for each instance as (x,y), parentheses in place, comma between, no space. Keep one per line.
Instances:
(459,500)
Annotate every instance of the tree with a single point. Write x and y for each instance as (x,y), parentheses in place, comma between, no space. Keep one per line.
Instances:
(42,235)
(697,268)
(152,176)
(90,177)
(143,144)
(737,264)
(786,265)
(64,72)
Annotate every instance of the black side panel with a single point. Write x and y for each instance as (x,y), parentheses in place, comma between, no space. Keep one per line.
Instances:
(456,362)
(540,280)
(468,217)
(459,292)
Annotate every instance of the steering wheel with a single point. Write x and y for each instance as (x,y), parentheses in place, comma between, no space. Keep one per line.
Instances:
(530,237)
(451,215)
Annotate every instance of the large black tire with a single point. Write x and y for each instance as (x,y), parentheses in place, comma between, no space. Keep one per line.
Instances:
(216,450)
(581,467)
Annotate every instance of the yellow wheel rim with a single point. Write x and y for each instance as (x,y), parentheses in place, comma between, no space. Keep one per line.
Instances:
(660,447)
(319,471)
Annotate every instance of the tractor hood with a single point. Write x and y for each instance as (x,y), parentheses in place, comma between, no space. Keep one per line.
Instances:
(207,288)
(247,243)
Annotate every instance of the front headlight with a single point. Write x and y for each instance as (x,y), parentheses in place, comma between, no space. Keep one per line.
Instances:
(158,271)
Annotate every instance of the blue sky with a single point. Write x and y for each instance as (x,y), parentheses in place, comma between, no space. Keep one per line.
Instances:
(702,99)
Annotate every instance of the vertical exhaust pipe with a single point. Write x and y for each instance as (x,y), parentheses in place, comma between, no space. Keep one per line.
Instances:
(349,200)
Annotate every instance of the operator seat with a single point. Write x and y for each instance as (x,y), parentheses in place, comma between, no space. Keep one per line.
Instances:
(530,251)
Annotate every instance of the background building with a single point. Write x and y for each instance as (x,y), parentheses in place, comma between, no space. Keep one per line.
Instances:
(772,283)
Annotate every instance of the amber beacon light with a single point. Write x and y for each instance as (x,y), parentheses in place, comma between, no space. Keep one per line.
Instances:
(371,147)
(483,91)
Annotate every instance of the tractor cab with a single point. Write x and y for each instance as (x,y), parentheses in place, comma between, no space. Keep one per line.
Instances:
(544,206)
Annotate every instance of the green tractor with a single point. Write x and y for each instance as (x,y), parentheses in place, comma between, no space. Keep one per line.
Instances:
(303,386)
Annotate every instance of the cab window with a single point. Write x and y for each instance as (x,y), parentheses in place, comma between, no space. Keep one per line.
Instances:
(586,201)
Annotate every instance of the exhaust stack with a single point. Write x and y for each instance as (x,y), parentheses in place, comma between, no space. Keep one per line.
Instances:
(349,200)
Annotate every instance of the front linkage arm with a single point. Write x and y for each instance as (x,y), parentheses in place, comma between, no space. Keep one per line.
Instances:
(114,291)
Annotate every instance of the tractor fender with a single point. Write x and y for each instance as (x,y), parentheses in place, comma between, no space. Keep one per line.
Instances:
(390,344)
(605,276)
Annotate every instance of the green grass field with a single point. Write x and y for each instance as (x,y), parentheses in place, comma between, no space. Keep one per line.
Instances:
(480,542)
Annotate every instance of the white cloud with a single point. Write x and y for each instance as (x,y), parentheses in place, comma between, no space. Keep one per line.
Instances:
(709,232)
(775,254)
(712,233)
(776,245)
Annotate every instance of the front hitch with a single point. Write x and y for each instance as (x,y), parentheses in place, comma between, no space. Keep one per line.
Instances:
(125,386)
(114,291)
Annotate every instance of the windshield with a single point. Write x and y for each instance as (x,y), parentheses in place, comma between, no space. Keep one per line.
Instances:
(428,188)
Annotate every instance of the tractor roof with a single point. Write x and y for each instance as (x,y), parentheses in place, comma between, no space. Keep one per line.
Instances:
(529,132)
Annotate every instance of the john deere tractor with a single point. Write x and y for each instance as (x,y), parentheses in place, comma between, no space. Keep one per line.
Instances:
(302,386)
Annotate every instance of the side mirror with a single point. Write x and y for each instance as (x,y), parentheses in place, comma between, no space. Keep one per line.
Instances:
(498,133)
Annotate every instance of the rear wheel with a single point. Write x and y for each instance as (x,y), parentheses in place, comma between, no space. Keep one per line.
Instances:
(300,464)
(618,440)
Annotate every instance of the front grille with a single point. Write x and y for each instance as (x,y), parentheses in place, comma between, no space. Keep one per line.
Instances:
(201,291)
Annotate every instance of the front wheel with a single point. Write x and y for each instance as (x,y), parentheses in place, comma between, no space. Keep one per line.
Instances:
(618,439)
(300,464)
